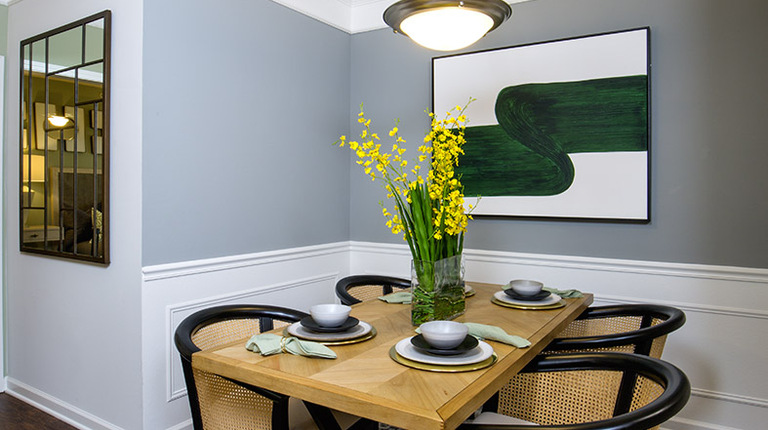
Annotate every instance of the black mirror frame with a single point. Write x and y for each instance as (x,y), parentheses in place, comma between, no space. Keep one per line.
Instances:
(101,177)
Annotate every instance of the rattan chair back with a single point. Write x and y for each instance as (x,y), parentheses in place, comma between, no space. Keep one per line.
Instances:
(218,403)
(583,391)
(637,329)
(357,288)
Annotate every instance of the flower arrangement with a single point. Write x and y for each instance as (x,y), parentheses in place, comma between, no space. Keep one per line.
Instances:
(428,209)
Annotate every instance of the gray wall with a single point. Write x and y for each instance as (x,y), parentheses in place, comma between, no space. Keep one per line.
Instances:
(242,101)
(3,29)
(709,108)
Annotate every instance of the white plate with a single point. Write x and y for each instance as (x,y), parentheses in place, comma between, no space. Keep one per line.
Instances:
(504,297)
(483,351)
(298,330)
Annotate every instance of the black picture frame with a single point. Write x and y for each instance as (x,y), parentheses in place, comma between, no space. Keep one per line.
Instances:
(559,130)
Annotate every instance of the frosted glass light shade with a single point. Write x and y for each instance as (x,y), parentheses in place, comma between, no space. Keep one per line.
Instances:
(446,25)
(447,29)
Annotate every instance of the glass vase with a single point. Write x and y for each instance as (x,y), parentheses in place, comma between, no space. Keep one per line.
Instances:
(437,288)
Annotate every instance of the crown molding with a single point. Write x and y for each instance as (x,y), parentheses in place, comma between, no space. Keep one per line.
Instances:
(351,16)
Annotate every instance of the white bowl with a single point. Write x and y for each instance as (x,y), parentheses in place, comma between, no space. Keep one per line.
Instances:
(330,315)
(444,334)
(524,287)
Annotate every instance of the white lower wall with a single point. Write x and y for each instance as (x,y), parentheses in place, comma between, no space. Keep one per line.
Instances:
(295,278)
(721,347)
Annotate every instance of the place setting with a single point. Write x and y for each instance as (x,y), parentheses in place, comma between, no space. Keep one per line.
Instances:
(445,346)
(528,295)
(330,324)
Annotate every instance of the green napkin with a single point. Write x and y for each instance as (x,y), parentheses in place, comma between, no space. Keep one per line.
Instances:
(398,297)
(566,294)
(268,344)
(491,332)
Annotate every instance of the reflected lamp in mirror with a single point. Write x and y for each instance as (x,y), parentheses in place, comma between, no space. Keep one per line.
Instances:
(445,25)
(60,127)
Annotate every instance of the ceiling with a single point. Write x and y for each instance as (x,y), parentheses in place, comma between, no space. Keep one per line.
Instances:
(352,16)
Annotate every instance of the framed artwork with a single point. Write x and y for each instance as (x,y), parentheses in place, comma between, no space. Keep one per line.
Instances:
(557,130)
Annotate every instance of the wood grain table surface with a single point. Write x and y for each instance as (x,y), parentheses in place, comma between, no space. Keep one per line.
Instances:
(364,381)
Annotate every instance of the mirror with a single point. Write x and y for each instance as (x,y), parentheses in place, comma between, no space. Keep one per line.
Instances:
(64,124)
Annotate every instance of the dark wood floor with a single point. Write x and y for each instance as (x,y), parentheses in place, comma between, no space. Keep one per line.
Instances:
(17,415)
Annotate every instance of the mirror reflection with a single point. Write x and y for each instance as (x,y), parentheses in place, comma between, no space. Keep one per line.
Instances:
(64,141)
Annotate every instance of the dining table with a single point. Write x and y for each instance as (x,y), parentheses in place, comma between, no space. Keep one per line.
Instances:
(367,379)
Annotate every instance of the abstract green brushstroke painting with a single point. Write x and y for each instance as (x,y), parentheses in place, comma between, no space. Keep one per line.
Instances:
(559,129)
(540,124)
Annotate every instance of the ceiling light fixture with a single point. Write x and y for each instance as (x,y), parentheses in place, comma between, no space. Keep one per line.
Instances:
(445,25)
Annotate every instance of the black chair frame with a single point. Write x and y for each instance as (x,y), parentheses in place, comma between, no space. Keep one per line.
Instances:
(387,283)
(642,338)
(266,314)
(677,390)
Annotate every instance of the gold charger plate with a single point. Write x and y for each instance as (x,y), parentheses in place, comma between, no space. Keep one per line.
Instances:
(557,305)
(441,368)
(368,336)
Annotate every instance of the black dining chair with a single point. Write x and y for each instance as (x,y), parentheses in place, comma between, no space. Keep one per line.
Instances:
(584,392)
(633,328)
(637,329)
(357,288)
(219,403)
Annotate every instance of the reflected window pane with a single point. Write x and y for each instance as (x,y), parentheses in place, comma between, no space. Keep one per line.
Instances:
(94,41)
(64,49)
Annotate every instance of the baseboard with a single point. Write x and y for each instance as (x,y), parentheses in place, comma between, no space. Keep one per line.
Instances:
(186,425)
(677,423)
(64,411)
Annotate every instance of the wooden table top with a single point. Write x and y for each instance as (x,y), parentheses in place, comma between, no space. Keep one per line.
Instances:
(364,381)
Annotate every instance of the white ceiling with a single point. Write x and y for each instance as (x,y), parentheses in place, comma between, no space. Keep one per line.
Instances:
(352,16)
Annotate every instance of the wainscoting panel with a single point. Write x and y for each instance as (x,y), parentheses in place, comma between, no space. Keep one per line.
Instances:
(177,313)
(294,278)
(722,347)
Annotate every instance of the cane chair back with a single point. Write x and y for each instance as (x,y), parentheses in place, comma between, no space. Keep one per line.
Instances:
(584,391)
(357,288)
(218,403)
(633,329)
(637,329)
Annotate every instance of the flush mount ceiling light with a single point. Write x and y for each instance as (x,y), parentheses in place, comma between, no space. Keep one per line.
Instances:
(446,25)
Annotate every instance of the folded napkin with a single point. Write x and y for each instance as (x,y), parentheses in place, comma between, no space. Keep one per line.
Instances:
(398,297)
(566,294)
(491,332)
(268,344)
